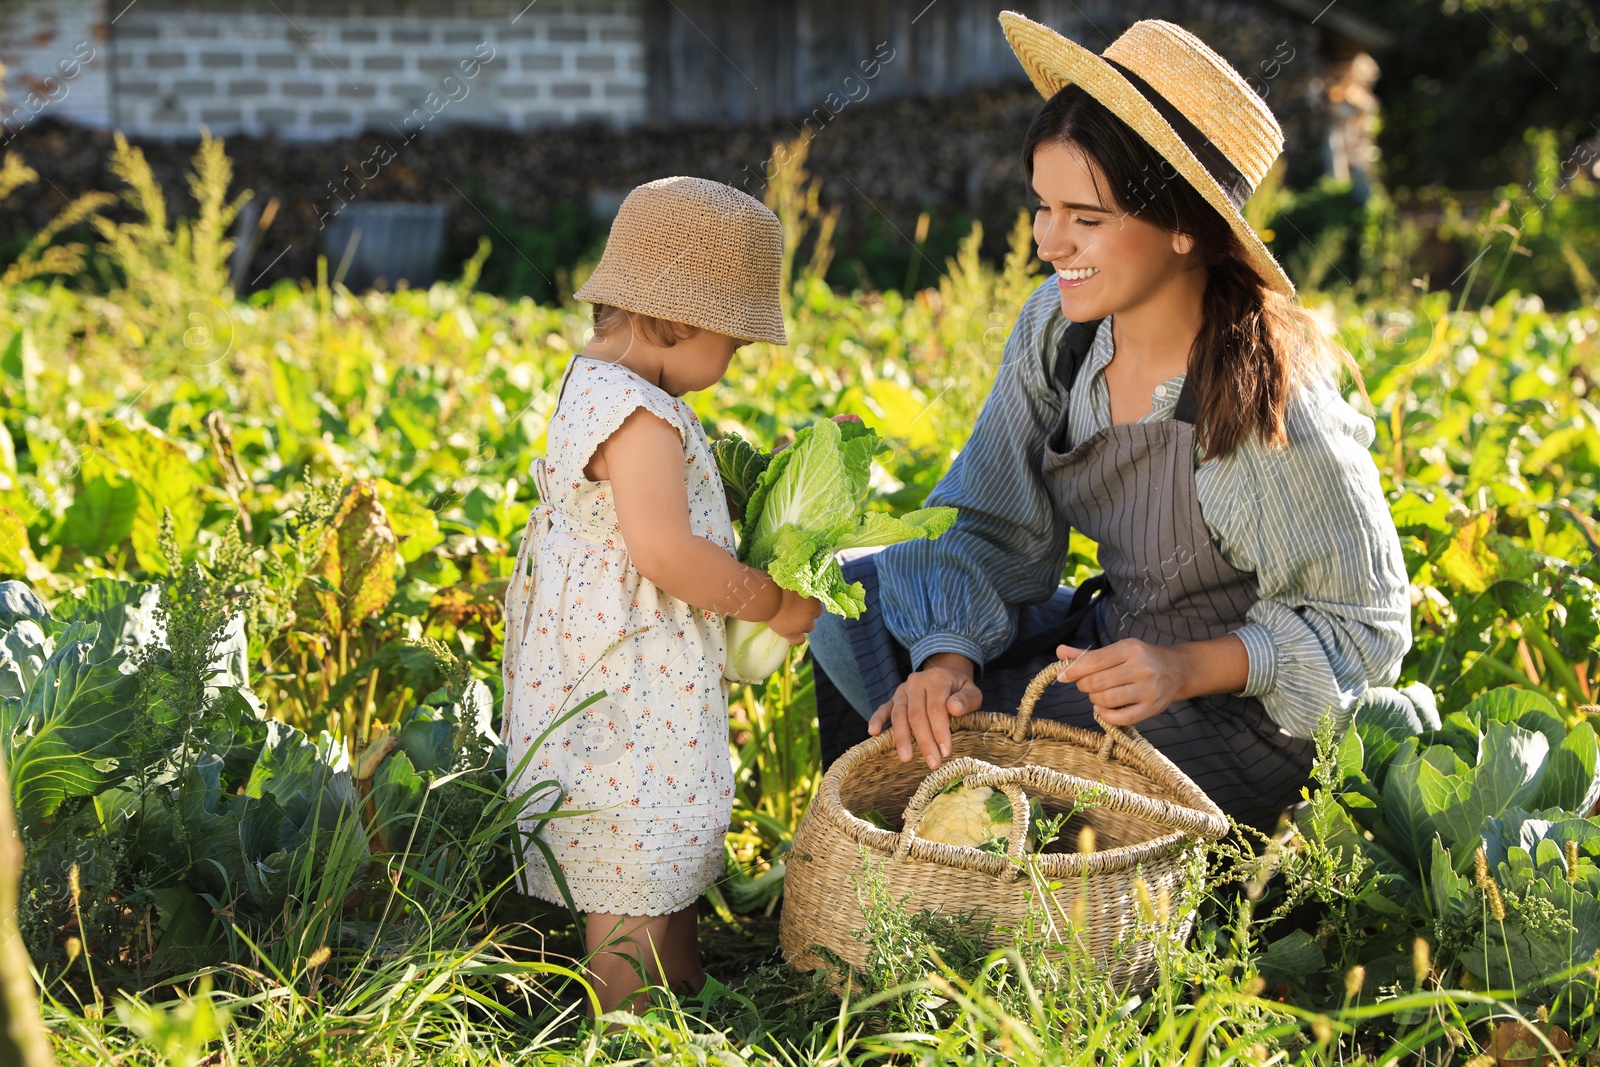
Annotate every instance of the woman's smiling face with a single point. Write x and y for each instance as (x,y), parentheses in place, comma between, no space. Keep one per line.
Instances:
(1105,259)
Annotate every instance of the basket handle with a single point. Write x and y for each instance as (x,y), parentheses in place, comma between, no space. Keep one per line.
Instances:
(971,769)
(1201,823)
(1030,698)
(1107,796)
(1009,780)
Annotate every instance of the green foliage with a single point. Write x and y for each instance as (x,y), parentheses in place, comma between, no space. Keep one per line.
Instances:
(1537,233)
(1490,455)
(930,992)
(214,834)
(1546,866)
(777,768)
(169,262)
(292,529)
(356,570)
(1465,78)
(535,257)
(43,255)
(1317,232)
(878,254)
(1418,813)
(22,1039)
(179,1034)
(905,944)
(1533,234)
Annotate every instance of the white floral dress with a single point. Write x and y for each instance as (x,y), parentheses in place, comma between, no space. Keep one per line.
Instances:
(652,755)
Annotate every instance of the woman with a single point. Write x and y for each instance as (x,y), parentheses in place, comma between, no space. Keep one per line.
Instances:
(1164,395)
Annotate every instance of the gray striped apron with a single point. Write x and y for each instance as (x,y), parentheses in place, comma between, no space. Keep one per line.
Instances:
(1130,488)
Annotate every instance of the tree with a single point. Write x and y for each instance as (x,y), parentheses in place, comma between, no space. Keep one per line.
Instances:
(1465,78)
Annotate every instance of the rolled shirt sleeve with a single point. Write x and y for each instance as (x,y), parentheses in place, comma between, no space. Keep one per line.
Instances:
(1334,614)
(961,592)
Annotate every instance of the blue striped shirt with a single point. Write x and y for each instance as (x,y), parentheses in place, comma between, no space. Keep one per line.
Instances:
(1310,520)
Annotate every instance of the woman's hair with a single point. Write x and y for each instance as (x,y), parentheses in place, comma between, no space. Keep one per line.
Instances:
(661,332)
(1255,345)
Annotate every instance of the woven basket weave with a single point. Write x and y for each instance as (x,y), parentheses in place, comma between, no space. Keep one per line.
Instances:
(1148,818)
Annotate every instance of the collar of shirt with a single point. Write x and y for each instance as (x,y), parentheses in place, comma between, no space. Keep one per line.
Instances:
(1163,399)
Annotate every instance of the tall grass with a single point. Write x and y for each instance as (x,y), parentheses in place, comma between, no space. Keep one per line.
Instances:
(928,996)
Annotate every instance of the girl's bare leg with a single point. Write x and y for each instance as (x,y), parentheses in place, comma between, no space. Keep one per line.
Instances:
(619,947)
(682,959)
(619,944)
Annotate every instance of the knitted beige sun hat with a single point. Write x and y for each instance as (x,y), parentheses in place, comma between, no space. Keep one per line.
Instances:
(695,251)
(1183,99)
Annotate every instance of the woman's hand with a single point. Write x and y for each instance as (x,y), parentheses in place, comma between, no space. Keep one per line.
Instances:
(796,617)
(1128,681)
(923,705)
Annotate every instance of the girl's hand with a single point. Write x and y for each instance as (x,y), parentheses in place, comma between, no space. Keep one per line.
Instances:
(796,616)
(923,705)
(1128,681)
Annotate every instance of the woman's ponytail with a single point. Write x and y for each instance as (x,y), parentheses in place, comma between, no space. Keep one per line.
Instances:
(1255,348)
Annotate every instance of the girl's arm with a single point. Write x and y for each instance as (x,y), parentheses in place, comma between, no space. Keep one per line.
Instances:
(643,459)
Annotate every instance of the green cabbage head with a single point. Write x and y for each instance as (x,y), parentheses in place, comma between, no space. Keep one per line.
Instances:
(807,503)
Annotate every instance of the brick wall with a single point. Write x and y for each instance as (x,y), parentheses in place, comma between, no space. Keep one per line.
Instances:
(316,69)
(322,69)
(56,63)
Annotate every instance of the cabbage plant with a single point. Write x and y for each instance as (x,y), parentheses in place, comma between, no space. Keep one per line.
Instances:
(1475,832)
(1545,866)
(802,505)
(162,809)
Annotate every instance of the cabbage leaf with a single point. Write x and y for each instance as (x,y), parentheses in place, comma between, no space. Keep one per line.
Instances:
(809,502)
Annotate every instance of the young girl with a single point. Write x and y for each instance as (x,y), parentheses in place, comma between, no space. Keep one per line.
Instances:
(630,567)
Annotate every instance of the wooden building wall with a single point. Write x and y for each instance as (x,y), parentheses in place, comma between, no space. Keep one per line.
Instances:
(745,60)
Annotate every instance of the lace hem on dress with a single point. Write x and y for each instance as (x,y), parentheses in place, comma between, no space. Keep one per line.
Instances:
(616,896)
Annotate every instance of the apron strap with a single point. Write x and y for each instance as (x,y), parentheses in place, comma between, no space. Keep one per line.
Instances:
(1188,408)
(1084,600)
(1076,341)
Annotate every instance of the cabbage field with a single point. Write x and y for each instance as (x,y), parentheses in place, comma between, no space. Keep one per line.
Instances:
(255,553)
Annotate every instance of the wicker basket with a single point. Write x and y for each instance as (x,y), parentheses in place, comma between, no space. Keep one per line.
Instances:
(1147,818)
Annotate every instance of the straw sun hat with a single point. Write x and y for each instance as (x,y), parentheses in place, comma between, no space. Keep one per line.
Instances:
(694,251)
(1183,99)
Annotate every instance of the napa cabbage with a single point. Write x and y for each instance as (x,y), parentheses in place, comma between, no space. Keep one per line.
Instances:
(801,506)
